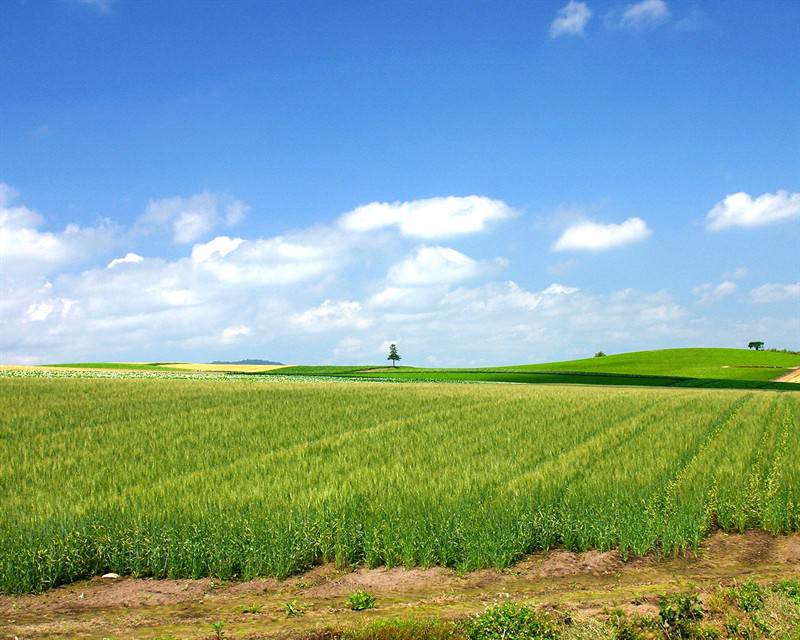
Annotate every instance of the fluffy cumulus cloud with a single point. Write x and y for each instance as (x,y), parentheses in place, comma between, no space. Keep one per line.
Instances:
(430,218)
(193,218)
(595,236)
(742,210)
(128,258)
(28,250)
(331,293)
(571,19)
(277,261)
(434,265)
(710,293)
(774,292)
(230,334)
(332,315)
(646,13)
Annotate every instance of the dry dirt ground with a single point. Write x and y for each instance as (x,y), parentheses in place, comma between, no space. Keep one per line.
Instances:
(584,584)
(792,376)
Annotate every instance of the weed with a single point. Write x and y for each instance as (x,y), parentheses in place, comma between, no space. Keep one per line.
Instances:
(252,608)
(790,588)
(749,596)
(218,628)
(294,608)
(512,621)
(360,600)
(679,615)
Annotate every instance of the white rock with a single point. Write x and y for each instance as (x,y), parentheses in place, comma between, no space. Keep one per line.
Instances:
(111,576)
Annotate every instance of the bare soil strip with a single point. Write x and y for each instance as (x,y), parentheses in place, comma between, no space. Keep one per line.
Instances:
(792,376)
(584,584)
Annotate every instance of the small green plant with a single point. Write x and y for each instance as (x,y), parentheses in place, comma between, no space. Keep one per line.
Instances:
(360,600)
(218,628)
(512,621)
(679,615)
(626,627)
(293,608)
(404,630)
(252,608)
(749,596)
(789,588)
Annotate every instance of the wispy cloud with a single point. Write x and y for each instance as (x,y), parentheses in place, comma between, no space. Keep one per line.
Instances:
(194,217)
(571,20)
(710,293)
(639,16)
(772,292)
(102,6)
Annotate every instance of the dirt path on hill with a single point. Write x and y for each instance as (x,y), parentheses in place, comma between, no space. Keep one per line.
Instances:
(792,376)
(582,583)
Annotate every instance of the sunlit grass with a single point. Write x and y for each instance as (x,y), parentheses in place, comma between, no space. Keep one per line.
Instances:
(174,476)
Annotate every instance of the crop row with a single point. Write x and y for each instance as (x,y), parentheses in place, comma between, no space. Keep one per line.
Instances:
(189,478)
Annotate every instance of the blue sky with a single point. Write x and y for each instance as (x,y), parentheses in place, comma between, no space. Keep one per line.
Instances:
(480,182)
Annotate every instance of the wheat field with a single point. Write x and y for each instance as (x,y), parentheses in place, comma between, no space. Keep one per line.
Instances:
(171,477)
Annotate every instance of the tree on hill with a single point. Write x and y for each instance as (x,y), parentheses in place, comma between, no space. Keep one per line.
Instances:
(393,355)
(599,354)
(756,344)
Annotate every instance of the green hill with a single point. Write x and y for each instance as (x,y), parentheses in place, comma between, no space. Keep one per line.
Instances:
(728,364)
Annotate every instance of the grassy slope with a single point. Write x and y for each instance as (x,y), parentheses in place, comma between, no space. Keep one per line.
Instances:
(722,368)
(731,364)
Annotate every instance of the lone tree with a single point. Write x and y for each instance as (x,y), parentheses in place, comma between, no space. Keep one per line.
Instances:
(757,345)
(393,355)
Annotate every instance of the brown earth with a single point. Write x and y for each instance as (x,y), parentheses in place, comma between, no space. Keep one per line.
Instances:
(792,376)
(583,584)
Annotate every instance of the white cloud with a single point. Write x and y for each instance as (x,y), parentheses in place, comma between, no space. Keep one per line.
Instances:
(772,292)
(430,218)
(741,210)
(571,19)
(40,311)
(406,298)
(282,260)
(644,14)
(219,247)
(230,334)
(737,274)
(328,294)
(27,250)
(596,236)
(710,293)
(433,265)
(332,315)
(129,258)
(103,6)
(194,217)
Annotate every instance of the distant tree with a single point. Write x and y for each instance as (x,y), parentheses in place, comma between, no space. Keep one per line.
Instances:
(599,354)
(757,345)
(393,355)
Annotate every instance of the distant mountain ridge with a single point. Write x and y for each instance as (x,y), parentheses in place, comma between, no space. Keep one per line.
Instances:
(245,362)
